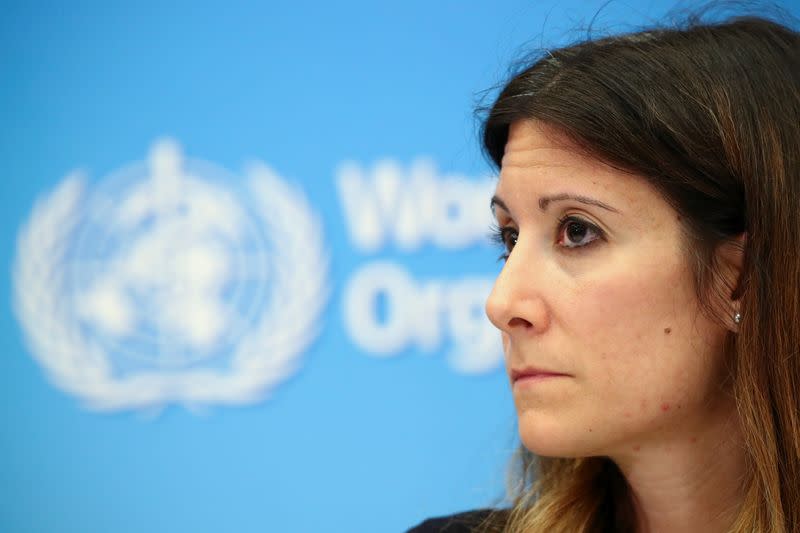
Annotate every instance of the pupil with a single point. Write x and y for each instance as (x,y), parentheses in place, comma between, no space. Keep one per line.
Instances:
(576,231)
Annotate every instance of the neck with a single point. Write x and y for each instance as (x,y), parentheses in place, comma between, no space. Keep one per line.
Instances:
(690,482)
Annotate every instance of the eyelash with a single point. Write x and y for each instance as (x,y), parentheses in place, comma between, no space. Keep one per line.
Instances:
(500,235)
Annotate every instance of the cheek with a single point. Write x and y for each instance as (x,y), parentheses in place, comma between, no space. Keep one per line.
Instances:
(637,330)
(641,352)
(634,309)
(645,359)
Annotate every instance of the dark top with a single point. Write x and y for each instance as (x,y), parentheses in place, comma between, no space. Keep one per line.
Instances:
(456,523)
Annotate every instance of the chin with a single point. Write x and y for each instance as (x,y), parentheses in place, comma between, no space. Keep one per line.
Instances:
(556,438)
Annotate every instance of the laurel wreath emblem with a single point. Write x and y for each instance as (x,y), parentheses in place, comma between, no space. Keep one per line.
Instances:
(264,356)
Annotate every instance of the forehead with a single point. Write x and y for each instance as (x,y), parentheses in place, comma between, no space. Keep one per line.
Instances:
(540,159)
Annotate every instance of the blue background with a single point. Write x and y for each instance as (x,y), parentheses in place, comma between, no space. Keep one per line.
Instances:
(350,442)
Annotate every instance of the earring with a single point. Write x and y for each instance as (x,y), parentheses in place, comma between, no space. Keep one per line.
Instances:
(737,317)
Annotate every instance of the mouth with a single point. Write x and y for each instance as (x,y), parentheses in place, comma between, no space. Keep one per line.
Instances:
(534,374)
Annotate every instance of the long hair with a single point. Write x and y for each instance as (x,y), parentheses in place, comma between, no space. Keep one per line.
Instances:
(709,114)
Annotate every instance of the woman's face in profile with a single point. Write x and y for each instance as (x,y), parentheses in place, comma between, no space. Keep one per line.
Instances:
(597,307)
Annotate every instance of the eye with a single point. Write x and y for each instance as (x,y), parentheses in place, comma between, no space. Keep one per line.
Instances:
(505,237)
(574,232)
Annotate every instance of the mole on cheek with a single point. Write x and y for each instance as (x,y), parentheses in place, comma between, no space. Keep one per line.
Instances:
(667,330)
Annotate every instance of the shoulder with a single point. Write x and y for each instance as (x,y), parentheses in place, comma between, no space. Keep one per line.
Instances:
(455,523)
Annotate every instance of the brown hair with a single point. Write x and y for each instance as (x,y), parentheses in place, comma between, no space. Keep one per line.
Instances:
(709,114)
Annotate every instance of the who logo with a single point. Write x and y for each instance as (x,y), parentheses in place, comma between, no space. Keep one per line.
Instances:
(170,281)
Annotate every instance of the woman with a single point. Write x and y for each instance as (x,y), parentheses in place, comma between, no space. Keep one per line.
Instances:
(649,207)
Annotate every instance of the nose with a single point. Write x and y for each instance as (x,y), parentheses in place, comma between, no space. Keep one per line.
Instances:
(516,304)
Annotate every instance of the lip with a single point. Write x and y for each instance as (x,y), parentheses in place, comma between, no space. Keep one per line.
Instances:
(534,374)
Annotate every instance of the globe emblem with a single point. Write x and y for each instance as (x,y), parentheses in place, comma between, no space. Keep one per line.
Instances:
(162,284)
(174,271)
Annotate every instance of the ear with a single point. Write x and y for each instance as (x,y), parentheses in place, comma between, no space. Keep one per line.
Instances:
(730,259)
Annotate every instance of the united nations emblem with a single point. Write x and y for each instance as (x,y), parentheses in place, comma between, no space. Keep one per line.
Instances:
(170,281)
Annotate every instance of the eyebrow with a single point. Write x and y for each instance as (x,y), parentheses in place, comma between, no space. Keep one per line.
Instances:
(545,201)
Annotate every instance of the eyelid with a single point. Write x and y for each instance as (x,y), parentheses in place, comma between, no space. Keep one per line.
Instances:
(564,221)
(502,216)
(505,225)
(585,215)
(498,235)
